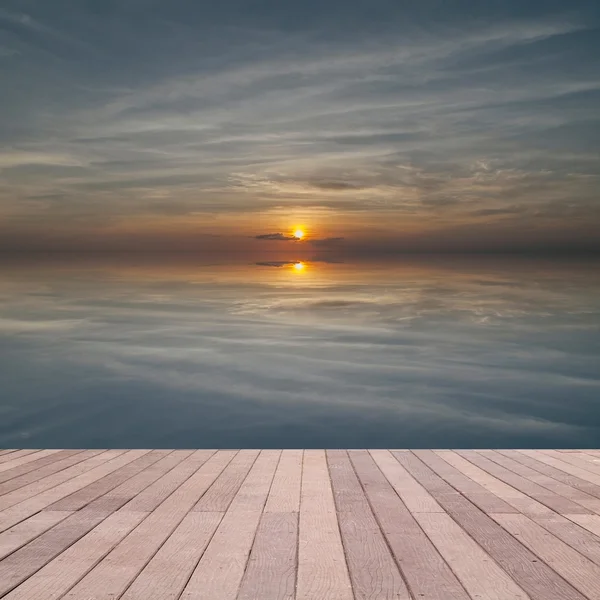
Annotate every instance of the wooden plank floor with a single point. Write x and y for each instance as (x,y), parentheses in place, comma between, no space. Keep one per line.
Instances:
(299,524)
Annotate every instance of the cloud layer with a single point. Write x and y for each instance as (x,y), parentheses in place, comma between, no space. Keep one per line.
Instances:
(377,121)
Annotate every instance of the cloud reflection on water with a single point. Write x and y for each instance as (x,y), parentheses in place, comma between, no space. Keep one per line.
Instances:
(429,353)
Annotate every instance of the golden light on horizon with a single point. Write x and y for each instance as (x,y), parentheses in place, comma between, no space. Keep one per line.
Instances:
(299,234)
(299,266)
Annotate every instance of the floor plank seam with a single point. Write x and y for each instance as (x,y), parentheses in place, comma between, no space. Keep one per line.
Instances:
(337,519)
(411,592)
(524,547)
(298,524)
(259,520)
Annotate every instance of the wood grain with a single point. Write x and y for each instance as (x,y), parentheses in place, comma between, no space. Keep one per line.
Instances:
(167,573)
(98,488)
(535,577)
(557,474)
(415,497)
(553,501)
(322,569)
(567,562)
(482,577)
(425,571)
(300,524)
(373,571)
(113,460)
(582,498)
(154,494)
(221,568)
(479,495)
(563,465)
(271,570)
(135,551)
(285,489)
(28,530)
(58,576)
(15,455)
(24,459)
(222,491)
(36,467)
(557,524)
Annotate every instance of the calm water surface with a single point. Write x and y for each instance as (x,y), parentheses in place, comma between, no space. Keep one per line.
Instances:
(415,353)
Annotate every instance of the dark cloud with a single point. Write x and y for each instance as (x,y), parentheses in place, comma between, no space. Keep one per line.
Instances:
(276,237)
(274,263)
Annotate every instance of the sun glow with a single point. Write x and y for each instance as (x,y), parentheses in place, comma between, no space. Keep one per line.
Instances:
(299,266)
(298,234)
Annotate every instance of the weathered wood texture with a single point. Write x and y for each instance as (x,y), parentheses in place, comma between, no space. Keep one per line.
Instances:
(299,524)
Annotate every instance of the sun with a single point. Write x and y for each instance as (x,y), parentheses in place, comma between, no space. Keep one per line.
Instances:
(298,234)
(299,266)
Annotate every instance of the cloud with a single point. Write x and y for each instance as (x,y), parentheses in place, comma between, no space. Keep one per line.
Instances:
(418,350)
(276,237)
(426,124)
(282,237)
(274,263)
(336,185)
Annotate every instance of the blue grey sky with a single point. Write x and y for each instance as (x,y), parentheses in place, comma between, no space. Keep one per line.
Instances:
(395,125)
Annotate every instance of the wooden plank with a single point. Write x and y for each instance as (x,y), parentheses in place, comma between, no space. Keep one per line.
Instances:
(285,489)
(221,568)
(538,580)
(119,496)
(581,573)
(553,522)
(222,491)
(562,465)
(102,510)
(271,569)
(70,529)
(373,571)
(84,496)
(522,502)
(571,480)
(425,571)
(575,459)
(29,559)
(589,522)
(322,569)
(480,496)
(167,573)
(37,473)
(35,467)
(25,509)
(546,497)
(590,502)
(62,573)
(16,454)
(36,487)
(480,575)
(25,492)
(25,459)
(28,530)
(156,493)
(573,534)
(7,451)
(415,497)
(136,550)
(588,457)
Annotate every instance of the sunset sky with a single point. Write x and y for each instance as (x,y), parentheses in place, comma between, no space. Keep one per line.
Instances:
(374,126)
